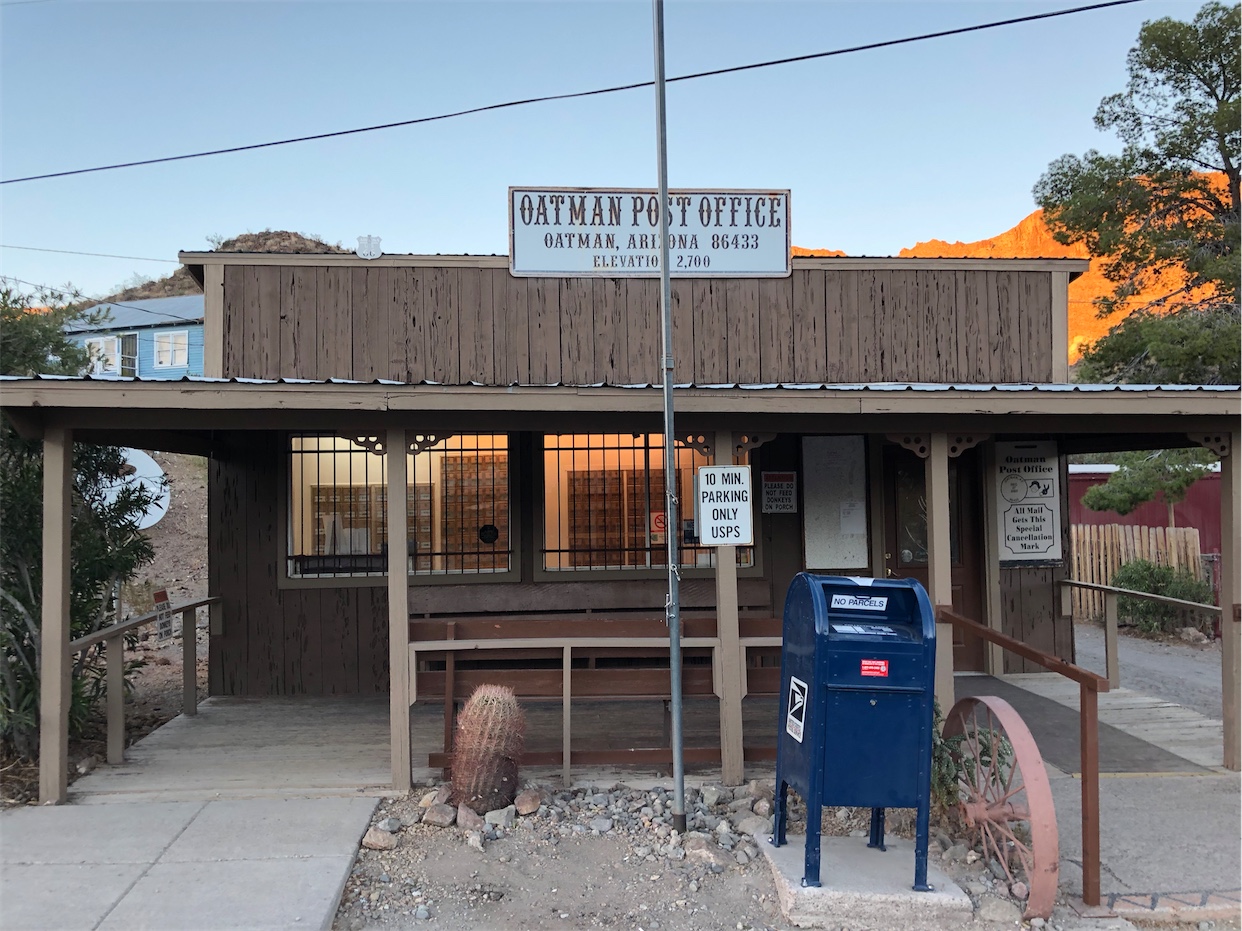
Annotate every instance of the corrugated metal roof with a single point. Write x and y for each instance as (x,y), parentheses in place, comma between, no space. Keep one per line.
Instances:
(819,386)
(147,312)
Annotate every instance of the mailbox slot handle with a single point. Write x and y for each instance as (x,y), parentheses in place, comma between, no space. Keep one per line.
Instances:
(905,689)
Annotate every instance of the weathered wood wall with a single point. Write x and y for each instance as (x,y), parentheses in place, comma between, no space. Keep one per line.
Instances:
(305,641)
(456,325)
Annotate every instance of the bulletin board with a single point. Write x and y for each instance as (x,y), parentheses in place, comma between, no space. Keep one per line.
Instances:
(834,491)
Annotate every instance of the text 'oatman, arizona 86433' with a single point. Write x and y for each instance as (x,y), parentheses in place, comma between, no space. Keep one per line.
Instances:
(723,508)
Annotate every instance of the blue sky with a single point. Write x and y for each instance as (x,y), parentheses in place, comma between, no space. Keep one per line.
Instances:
(881,149)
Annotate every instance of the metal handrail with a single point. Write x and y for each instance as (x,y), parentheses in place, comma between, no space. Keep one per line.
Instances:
(113,638)
(1112,661)
(1090,684)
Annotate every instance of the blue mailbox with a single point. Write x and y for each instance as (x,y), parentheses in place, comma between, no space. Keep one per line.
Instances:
(858,668)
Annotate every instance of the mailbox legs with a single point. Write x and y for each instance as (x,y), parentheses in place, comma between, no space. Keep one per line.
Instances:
(877,829)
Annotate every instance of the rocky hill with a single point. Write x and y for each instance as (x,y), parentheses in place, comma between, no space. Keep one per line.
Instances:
(180,282)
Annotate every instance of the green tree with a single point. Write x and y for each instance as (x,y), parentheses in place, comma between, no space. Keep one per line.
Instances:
(1163,214)
(1163,474)
(1187,346)
(106,546)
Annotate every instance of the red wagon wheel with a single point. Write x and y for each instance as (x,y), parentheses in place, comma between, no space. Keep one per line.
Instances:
(1005,798)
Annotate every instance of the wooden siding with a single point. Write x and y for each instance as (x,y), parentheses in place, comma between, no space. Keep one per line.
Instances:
(306,641)
(456,325)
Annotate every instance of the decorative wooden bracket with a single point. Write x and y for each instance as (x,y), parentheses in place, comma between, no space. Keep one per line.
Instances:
(917,443)
(420,441)
(376,445)
(960,442)
(743,442)
(1216,442)
(416,442)
(696,441)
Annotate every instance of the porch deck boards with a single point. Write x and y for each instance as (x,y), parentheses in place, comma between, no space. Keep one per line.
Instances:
(297,747)
(253,748)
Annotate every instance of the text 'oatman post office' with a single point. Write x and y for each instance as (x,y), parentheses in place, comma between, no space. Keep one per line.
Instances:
(596,232)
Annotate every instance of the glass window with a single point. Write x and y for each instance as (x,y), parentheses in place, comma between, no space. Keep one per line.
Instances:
(457,507)
(172,349)
(105,354)
(604,503)
(912,516)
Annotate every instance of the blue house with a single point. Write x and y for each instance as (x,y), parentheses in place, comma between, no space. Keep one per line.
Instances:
(151,338)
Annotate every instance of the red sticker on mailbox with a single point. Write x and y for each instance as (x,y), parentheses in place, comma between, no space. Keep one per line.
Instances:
(875,667)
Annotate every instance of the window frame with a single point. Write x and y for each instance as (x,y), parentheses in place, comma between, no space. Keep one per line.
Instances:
(284,540)
(159,335)
(584,574)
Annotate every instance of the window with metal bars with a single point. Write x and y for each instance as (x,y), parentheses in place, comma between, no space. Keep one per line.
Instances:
(457,507)
(604,503)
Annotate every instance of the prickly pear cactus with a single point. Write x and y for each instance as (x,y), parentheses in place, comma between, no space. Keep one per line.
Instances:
(491,730)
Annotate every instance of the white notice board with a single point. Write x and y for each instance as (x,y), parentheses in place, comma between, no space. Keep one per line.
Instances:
(1028,502)
(834,495)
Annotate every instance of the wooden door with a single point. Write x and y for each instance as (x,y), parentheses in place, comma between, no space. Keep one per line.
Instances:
(905,537)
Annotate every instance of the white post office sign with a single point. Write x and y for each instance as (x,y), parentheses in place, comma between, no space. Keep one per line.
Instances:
(1028,503)
(615,233)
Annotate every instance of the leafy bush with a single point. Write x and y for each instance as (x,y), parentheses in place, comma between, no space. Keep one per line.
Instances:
(1152,617)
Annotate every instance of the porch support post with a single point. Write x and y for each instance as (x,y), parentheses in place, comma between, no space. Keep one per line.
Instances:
(730,657)
(993,610)
(398,612)
(54,641)
(1230,596)
(939,577)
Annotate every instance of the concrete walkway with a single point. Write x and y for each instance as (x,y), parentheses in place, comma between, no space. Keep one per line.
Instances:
(179,866)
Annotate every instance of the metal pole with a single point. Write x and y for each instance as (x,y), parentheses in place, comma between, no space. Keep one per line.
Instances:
(671,523)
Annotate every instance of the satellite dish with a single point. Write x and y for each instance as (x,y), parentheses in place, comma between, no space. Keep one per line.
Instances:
(143,471)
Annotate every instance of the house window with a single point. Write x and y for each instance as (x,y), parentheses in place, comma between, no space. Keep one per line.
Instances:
(172,349)
(105,355)
(605,507)
(113,355)
(457,507)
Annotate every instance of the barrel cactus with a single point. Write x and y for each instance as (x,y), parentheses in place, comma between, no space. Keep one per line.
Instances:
(491,730)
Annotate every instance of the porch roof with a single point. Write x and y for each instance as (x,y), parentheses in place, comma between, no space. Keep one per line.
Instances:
(1098,415)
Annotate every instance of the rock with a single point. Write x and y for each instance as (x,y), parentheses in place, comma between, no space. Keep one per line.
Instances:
(741,804)
(474,840)
(1037,923)
(444,794)
(1192,635)
(502,817)
(375,839)
(1019,891)
(762,788)
(842,815)
(601,825)
(468,819)
(995,868)
(998,910)
(763,808)
(973,887)
(528,802)
(412,818)
(428,799)
(953,854)
(711,795)
(440,815)
(972,856)
(86,764)
(391,825)
(710,856)
(385,878)
(742,857)
(422,913)
(754,825)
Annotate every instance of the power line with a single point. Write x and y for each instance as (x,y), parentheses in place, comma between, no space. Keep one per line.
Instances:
(102,255)
(577,94)
(71,294)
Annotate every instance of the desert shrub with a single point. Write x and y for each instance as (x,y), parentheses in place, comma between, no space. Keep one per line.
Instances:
(1152,617)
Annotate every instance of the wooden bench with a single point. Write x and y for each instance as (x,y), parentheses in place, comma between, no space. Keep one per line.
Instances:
(620,654)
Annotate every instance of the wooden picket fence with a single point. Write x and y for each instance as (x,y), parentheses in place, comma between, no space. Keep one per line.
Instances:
(1099,550)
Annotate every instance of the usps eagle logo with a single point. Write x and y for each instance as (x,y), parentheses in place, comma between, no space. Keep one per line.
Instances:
(369,247)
